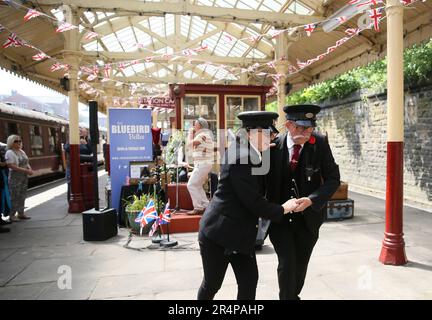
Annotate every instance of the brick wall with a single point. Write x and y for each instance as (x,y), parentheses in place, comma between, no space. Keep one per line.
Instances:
(356,129)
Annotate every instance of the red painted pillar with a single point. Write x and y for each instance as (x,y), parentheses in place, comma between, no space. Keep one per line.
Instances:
(76,203)
(393,245)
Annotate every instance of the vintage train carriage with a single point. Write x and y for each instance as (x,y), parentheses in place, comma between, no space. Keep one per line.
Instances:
(43,137)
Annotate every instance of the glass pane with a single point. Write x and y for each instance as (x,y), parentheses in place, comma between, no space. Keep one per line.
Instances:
(208,108)
(189,108)
(232,109)
(36,140)
(250,104)
(52,140)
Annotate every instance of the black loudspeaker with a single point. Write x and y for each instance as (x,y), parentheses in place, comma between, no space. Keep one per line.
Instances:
(64,83)
(93,116)
(288,87)
(99,225)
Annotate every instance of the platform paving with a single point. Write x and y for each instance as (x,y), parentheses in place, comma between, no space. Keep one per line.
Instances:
(344,265)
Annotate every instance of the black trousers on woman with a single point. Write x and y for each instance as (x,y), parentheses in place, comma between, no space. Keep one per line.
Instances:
(215,259)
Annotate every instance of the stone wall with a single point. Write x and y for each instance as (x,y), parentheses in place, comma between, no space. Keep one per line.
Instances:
(356,128)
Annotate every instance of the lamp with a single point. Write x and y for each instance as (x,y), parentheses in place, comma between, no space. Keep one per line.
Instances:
(348,11)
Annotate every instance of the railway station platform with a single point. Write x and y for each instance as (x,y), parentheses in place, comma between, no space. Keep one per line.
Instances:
(37,254)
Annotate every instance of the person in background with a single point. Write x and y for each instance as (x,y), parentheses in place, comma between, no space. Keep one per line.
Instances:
(5,202)
(85,155)
(200,142)
(19,170)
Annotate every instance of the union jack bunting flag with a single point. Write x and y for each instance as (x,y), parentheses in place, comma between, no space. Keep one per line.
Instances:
(12,41)
(65,27)
(352,31)
(201,48)
(369,3)
(107,70)
(40,56)
(309,28)
(228,38)
(90,35)
(341,19)
(376,15)
(353,1)
(57,66)
(32,14)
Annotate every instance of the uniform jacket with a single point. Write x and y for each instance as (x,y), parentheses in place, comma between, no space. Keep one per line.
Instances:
(231,219)
(324,179)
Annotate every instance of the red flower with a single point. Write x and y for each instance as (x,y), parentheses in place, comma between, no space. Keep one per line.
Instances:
(312,140)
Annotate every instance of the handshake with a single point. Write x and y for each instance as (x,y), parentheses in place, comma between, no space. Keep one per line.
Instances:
(296,205)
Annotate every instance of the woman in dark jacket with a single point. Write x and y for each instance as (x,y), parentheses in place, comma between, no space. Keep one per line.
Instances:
(228,228)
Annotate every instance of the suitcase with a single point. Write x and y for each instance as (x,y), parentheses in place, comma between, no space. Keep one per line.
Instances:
(99,225)
(184,198)
(341,193)
(339,209)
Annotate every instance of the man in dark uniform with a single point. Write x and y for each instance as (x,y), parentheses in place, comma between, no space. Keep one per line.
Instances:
(302,171)
(228,228)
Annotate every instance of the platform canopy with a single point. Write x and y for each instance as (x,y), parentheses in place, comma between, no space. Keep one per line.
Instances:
(130,48)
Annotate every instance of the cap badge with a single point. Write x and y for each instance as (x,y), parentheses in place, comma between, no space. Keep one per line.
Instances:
(309,115)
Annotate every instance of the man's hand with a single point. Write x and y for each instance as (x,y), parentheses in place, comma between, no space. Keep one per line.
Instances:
(290,205)
(302,203)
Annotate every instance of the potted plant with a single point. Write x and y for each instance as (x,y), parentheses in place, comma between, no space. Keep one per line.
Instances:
(134,205)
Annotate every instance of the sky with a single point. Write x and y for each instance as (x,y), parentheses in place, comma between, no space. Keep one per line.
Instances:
(9,82)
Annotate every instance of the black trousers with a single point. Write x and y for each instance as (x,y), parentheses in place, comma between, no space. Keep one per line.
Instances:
(293,244)
(215,262)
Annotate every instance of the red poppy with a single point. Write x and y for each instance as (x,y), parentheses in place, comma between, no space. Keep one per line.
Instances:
(312,140)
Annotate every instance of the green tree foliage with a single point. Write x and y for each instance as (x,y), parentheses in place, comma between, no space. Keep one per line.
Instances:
(371,78)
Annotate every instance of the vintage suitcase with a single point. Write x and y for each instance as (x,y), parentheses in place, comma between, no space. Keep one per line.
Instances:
(341,193)
(99,225)
(340,209)
(184,198)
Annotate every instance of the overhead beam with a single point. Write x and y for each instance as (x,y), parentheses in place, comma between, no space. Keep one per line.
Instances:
(185,8)
(126,56)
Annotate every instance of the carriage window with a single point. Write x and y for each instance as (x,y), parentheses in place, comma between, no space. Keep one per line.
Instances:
(52,140)
(12,128)
(36,140)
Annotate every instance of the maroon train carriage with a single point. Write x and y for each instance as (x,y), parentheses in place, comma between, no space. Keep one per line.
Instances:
(43,137)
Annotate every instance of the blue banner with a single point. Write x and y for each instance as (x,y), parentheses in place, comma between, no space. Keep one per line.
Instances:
(130,140)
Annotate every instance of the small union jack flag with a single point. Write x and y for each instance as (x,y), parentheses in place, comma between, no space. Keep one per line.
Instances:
(12,41)
(309,28)
(353,1)
(32,14)
(65,27)
(147,214)
(165,217)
